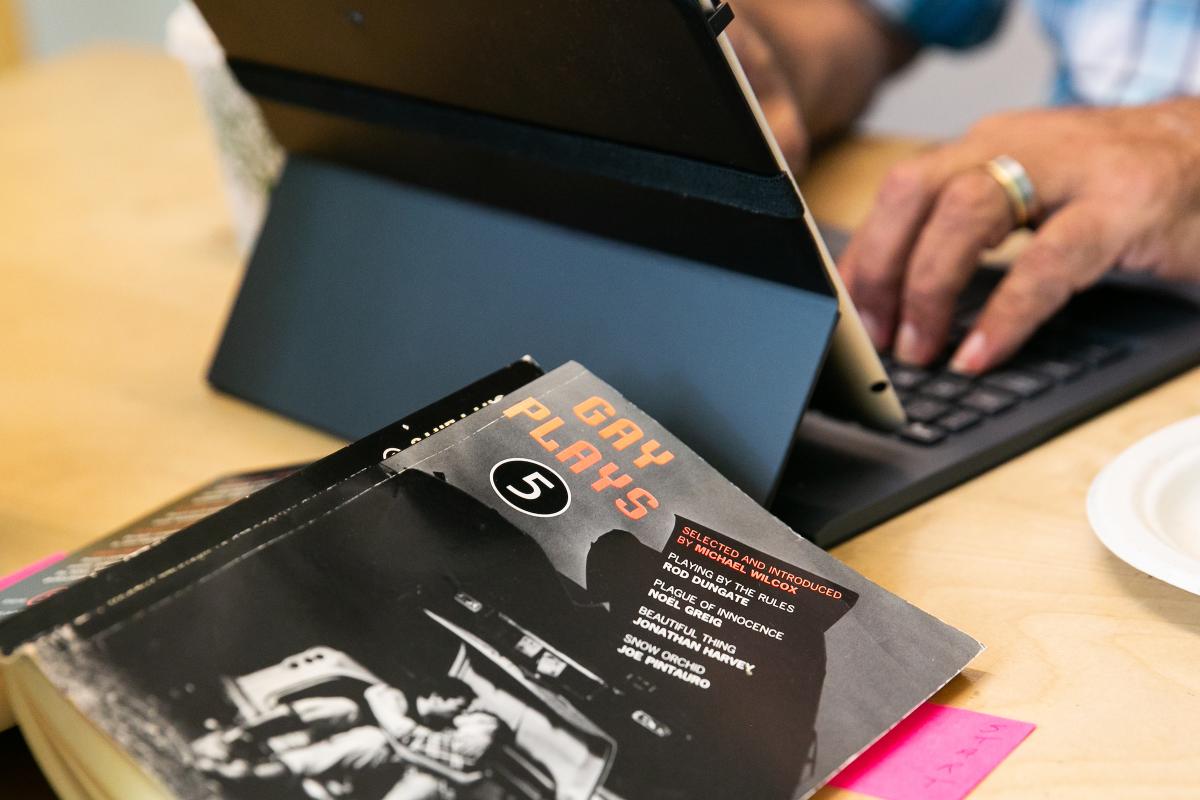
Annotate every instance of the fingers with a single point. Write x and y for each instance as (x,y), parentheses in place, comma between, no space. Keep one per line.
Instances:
(971,214)
(1070,252)
(875,261)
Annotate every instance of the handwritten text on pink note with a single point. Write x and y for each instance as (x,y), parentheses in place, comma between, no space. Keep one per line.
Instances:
(937,753)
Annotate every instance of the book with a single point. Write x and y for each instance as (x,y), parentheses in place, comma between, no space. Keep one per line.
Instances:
(125,543)
(100,570)
(551,597)
(137,536)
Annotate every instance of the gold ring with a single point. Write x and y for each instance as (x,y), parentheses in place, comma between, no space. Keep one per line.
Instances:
(1017,186)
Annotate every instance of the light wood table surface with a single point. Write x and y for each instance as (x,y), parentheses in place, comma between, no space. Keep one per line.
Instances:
(118,265)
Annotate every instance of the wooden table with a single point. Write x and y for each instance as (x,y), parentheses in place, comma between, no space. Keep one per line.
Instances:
(118,265)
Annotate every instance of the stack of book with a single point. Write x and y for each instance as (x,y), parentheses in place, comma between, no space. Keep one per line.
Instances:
(527,590)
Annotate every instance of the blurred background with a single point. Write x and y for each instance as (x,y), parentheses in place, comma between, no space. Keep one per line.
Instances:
(938,97)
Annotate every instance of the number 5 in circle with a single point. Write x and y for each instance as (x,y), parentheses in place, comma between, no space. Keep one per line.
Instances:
(535,491)
(530,487)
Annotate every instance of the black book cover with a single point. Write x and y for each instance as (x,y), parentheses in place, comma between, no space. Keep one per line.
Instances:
(552,598)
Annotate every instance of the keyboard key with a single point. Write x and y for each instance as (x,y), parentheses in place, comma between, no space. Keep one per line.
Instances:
(1098,354)
(959,420)
(1022,384)
(988,401)
(921,433)
(924,409)
(907,378)
(1057,369)
(946,387)
(1077,345)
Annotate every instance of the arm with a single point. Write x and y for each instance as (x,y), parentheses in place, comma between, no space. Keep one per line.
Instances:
(815,64)
(390,707)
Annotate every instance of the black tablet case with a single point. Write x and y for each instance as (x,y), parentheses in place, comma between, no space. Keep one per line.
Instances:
(470,182)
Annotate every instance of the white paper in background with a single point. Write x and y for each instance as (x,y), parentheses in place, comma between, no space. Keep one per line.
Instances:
(250,157)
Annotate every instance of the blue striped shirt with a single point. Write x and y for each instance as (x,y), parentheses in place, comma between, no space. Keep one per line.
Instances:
(1109,52)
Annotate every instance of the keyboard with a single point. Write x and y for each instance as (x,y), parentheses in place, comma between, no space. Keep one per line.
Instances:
(1112,341)
(940,403)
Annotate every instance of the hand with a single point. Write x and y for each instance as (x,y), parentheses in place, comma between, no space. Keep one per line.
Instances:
(770,83)
(814,65)
(1117,188)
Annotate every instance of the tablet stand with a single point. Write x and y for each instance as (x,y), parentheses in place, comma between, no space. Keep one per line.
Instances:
(410,248)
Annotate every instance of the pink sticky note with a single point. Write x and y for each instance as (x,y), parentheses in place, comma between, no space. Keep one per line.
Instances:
(33,569)
(937,753)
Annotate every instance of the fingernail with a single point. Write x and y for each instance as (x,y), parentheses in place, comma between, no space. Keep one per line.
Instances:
(908,344)
(972,354)
(874,329)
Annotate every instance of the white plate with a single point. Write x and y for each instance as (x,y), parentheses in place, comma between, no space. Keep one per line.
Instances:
(1145,505)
